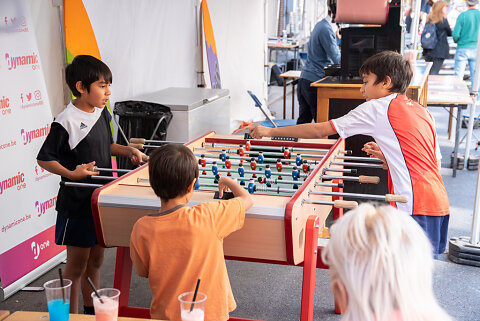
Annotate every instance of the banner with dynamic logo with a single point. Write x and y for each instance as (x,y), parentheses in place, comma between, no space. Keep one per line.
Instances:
(28,193)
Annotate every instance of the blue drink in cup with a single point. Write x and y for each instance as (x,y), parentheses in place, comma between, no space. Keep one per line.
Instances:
(58,299)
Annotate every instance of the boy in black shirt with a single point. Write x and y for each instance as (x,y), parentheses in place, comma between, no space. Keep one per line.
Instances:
(80,138)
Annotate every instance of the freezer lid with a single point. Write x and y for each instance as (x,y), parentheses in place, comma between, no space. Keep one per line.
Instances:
(183,99)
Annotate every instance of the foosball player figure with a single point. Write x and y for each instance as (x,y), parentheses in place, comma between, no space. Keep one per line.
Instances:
(223,156)
(217,177)
(228,165)
(251,186)
(214,168)
(298,160)
(279,168)
(248,145)
(295,174)
(241,173)
(268,174)
(260,159)
(305,167)
(286,153)
(241,151)
(203,162)
(253,166)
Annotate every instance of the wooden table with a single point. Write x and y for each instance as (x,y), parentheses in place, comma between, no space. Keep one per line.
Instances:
(333,87)
(4,314)
(286,46)
(291,75)
(43,316)
(449,91)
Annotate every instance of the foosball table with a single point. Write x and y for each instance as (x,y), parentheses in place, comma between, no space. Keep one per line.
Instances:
(294,184)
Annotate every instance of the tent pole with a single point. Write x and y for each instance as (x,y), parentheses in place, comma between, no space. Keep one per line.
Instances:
(474,237)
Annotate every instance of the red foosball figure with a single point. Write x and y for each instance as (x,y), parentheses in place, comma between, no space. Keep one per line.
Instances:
(279,168)
(305,167)
(253,165)
(228,165)
(203,162)
(241,151)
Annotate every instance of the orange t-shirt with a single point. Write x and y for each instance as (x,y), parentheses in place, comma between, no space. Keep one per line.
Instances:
(176,249)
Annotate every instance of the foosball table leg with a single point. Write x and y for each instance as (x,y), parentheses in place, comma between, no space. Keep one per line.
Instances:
(121,281)
(309,268)
(337,212)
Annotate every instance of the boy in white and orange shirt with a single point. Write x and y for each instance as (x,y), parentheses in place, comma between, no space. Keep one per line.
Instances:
(405,138)
(179,245)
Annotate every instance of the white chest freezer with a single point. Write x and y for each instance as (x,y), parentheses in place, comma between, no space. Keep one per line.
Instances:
(195,111)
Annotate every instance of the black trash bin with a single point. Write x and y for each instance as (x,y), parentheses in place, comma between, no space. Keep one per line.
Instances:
(140,119)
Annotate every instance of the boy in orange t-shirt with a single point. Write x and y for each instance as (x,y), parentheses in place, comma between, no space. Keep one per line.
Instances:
(180,244)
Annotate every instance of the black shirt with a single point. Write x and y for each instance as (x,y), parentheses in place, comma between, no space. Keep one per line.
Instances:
(77,137)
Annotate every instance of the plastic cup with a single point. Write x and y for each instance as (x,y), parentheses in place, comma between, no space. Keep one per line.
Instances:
(108,310)
(198,311)
(58,299)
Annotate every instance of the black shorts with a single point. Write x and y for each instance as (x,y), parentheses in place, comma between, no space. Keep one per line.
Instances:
(78,232)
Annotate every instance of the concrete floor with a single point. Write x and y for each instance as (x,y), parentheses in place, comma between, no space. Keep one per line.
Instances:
(271,292)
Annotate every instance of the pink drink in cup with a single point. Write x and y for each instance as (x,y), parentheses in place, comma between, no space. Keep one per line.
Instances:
(197,312)
(108,310)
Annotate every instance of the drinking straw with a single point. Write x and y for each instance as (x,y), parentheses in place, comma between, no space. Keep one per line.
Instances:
(94,289)
(61,284)
(195,295)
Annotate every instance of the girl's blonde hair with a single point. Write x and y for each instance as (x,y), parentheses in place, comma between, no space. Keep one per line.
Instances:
(384,259)
(436,15)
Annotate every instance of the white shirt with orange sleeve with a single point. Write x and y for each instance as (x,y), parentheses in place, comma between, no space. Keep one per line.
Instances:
(176,249)
(405,132)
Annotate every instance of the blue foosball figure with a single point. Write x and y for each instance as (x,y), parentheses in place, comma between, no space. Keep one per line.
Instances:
(241,173)
(214,168)
(268,174)
(251,187)
(223,156)
(260,159)
(298,160)
(295,174)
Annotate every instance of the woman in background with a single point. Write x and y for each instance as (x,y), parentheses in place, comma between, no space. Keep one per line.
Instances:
(438,54)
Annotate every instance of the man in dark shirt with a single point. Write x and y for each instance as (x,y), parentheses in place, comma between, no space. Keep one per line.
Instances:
(322,51)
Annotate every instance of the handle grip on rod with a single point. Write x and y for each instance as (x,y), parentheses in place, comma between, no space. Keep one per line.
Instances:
(145,157)
(396,198)
(137,146)
(345,204)
(137,140)
(368,179)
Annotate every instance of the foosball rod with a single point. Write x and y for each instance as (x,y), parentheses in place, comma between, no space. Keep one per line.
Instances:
(385,198)
(254,153)
(219,162)
(246,158)
(336,203)
(275,148)
(258,188)
(111,170)
(362,165)
(248,171)
(360,158)
(142,141)
(103,178)
(76,184)
(362,179)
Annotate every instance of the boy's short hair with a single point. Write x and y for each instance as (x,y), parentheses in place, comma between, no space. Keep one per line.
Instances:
(384,259)
(392,64)
(172,168)
(86,69)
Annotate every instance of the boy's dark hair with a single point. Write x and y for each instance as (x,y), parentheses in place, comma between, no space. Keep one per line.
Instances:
(392,64)
(86,69)
(172,168)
